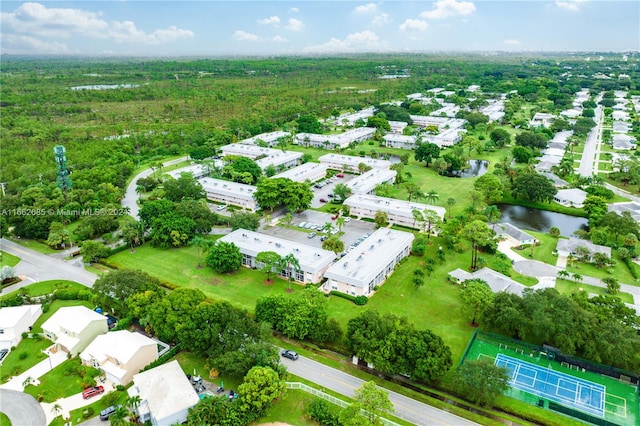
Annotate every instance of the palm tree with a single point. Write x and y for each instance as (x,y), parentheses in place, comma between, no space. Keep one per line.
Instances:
(417,217)
(132,403)
(576,277)
(431,196)
(119,417)
(288,262)
(563,274)
(450,202)
(56,409)
(493,215)
(327,227)
(287,219)
(340,223)
(202,245)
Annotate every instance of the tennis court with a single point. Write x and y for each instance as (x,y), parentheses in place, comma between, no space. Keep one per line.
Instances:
(568,390)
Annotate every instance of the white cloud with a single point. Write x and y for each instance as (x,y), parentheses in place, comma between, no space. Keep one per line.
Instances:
(570,5)
(366,8)
(294,10)
(279,39)
(414,25)
(295,25)
(42,27)
(20,44)
(512,42)
(245,36)
(381,19)
(271,20)
(449,8)
(364,41)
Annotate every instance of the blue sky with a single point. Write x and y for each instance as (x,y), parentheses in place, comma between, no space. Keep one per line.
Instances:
(221,28)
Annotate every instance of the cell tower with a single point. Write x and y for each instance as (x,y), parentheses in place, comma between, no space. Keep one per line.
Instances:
(62,180)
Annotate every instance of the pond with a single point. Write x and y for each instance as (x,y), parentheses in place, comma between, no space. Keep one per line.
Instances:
(541,220)
(476,168)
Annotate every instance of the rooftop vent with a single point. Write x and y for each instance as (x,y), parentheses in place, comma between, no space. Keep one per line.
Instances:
(345,265)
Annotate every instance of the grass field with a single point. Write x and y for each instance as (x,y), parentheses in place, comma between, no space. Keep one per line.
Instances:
(47,287)
(544,251)
(34,245)
(619,271)
(569,287)
(57,384)
(621,402)
(7,259)
(13,365)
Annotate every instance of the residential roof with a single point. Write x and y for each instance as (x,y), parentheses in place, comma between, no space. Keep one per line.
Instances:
(311,259)
(220,186)
(277,158)
(367,182)
(557,182)
(352,161)
(572,244)
(513,231)
(10,315)
(495,280)
(340,139)
(269,138)
(72,318)
(361,265)
(573,195)
(121,345)
(301,172)
(394,137)
(166,390)
(397,207)
(632,207)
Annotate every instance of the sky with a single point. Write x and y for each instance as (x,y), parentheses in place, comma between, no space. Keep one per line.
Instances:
(282,27)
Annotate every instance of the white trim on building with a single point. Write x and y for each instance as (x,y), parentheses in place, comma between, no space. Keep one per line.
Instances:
(227,192)
(307,171)
(399,212)
(270,138)
(350,162)
(281,160)
(394,140)
(572,197)
(367,182)
(370,263)
(15,320)
(337,140)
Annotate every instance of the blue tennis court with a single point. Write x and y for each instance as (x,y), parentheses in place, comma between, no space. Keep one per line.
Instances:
(562,388)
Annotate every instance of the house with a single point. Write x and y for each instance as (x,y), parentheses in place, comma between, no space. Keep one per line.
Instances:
(623,142)
(620,115)
(349,163)
(370,263)
(311,172)
(166,395)
(399,212)
(541,119)
(367,182)
(313,261)
(572,197)
(120,355)
(233,193)
(632,207)
(621,127)
(570,247)
(496,281)
(513,234)
(557,182)
(15,320)
(72,328)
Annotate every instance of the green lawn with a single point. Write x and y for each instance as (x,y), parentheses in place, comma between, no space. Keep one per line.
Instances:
(618,271)
(76,416)
(57,383)
(34,245)
(570,287)
(291,409)
(542,252)
(47,287)
(4,420)
(55,305)
(13,365)
(7,259)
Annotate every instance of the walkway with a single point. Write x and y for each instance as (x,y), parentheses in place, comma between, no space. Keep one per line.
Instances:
(35,372)
(71,403)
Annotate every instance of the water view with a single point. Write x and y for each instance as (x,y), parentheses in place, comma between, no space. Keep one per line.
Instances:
(541,220)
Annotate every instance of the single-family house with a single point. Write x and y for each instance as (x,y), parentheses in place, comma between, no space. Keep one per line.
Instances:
(542,119)
(15,320)
(513,234)
(572,197)
(570,247)
(166,395)
(72,328)
(557,182)
(120,355)
(496,281)
(623,142)
(632,207)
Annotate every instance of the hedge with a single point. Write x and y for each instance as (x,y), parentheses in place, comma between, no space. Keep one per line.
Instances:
(358,300)
(164,358)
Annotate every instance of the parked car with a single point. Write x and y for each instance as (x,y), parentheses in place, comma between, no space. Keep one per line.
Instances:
(107,412)
(322,200)
(290,354)
(302,224)
(3,353)
(347,219)
(330,195)
(324,237)
(311,235)
(335,216)
(222,207)
(92,391)
(340,175)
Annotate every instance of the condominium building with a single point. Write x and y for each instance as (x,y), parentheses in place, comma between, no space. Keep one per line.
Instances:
(305,172)
(334,141)
(351,118)
(367,182)
(394,140)
(271,138)
(370,263)
(350,162)
(233,193)
(264,157)
(313,261)
(399,212)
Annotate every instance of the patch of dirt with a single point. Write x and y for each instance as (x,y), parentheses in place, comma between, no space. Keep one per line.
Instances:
(217,281)
(268,282)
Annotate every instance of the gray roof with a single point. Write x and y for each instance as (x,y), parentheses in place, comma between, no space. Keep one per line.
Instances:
(557,182)
(515,232)
(572,244)
(496,281)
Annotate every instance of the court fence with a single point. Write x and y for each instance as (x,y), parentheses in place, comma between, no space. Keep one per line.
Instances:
(554,406)
(553,353)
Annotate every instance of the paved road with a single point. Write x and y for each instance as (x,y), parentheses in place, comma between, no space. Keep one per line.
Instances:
(591,146)
(21,408)
(345,384)
(35,267)
(130,199)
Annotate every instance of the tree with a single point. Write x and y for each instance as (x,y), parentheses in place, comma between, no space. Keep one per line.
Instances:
(554,231)
(576,277)
(534,187)
(431,196)
(340,223)
(287,220)
(493,214)
(431,220)
(133,233)
(260,387)
(114,288)
(476,296)
(381,219)
(334,244)
(413,191)
(371,403)
(271,193)
(307,123)
(418,278)
(342,192)
(613,286)
(242,169)
(291,266)
(481,381)
(531,140)
(427,152)
(58,235)
(478,234)
(244,220)
(596,207)
(211,410)
(563,274)
(92,250)
(490,186)
(450,202)
(185,187)
(224,257)
(500,137)
(522,154)
(270,261)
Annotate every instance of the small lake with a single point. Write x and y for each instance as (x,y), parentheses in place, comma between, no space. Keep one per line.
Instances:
(476,168)
(541,220)
(105,86)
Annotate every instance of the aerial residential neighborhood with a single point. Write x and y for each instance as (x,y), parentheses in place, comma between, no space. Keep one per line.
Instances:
(310,214)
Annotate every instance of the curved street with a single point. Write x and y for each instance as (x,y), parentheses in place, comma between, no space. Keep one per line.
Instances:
(21,408)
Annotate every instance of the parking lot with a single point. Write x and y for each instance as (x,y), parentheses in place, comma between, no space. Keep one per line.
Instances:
(353,230)
(324,191)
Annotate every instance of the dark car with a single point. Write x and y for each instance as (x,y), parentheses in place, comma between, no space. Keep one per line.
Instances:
(107,412)
(322,200)
(290,354)
(3,353)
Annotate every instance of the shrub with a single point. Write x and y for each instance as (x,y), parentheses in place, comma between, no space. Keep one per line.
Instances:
(120,388)
(23,356)
(323,412)
(360,300)
(88,413)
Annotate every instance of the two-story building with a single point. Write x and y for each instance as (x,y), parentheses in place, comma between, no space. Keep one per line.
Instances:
(233,193)
(399,212)
(15,320)
(72,328)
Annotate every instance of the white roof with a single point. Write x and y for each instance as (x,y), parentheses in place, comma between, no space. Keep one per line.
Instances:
(575,195)
(165,389)
(406,139)
(361,265)
(397,207)
(367,182)
(269,138)
(353,161)
(72,318)
(219,186)
(278,158)
(121,345)
(303,171)
(311,259)
(341,139)
(10,316)
(196,170)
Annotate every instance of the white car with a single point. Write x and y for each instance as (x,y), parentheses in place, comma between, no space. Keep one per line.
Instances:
(347,219)
(302,224)
(222,207)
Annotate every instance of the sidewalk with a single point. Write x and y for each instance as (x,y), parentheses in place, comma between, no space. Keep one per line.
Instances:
(35,372)
(73,402)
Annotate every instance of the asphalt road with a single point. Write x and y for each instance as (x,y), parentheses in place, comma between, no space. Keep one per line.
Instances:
(345,384)
(21,408)
(591,146)
(35,267)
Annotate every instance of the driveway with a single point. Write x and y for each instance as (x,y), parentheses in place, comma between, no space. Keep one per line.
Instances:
(35,372)
(21,408)
(327,189)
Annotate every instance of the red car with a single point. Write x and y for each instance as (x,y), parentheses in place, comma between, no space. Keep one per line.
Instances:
(334,217)
(322,200)
(92,391)
(340,175)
